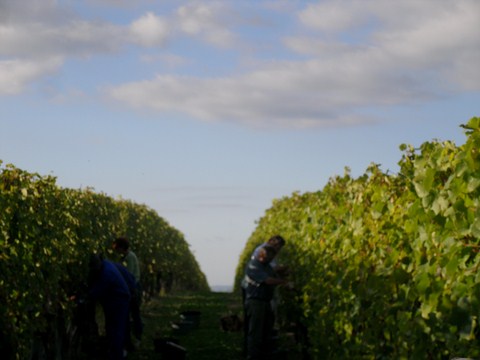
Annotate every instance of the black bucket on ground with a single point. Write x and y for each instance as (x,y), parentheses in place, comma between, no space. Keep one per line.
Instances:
(182,327)
(191,316)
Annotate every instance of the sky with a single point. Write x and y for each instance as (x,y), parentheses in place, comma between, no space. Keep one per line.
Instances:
(207,111)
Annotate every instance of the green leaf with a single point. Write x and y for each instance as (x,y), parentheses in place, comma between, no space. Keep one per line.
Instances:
(440,204)
(473,184)
(475,228)
(452,266)
(423,282)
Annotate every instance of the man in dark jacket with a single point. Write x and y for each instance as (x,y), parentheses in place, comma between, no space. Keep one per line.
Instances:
(134,301)
(109,288)
(122,246)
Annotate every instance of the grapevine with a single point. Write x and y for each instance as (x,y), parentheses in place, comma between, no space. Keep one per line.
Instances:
(47,234)
(386,266)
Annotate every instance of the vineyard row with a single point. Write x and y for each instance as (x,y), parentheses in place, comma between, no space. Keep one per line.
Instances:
(386,266)
(47,234)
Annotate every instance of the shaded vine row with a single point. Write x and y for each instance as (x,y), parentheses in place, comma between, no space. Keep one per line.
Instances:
(46,236)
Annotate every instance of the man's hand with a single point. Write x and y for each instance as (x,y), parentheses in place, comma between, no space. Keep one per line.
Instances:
(282,270)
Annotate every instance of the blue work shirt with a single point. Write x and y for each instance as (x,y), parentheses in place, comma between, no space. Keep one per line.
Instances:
(110,286)
(129,278)
(256,274)
(254,256)
(273,262)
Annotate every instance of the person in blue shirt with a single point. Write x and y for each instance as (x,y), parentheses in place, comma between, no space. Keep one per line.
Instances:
(261,280)
(276,242)
(109,287)
(133,288)
(122,246)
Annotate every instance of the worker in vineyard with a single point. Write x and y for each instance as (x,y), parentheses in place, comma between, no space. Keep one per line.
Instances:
(132,287)
(276,242)
(122,246)
(261,281)
(109,288)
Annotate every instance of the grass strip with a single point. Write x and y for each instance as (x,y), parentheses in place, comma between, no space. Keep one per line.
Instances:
(207,341)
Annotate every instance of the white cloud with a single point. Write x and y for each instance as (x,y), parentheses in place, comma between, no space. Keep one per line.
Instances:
(399,62)
(356,54)
(76,38)
(344,15)
(29,11)
(15,75)
(333,16)
(150,30)
(285,95)
(204,20)
(321,48)
(442,32)
(171,61)
(45,29)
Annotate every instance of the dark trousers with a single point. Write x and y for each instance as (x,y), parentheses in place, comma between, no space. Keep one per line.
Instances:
(260,326)
(116,319)
(136,325)
(245,321)
(135,313)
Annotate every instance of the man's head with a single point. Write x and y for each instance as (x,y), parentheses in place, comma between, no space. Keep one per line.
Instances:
(266,254)
(277,242)
(121,245)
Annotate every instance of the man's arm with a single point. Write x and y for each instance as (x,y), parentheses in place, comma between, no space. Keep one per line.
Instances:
(274,281)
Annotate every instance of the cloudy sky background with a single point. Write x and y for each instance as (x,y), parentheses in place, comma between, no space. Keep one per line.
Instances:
(206,111)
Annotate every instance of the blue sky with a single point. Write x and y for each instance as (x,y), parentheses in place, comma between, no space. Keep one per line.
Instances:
(206,111)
